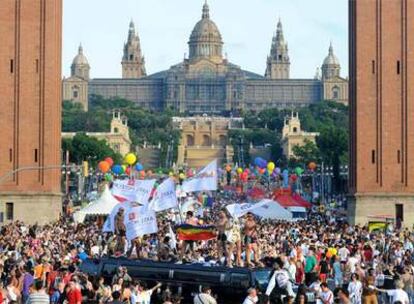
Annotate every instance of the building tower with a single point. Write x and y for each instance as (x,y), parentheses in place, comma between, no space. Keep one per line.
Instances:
(331,67)
(75,88)
(133,63)
(381,94)
(205,40)
(278,62)
(80,65)
(30,65)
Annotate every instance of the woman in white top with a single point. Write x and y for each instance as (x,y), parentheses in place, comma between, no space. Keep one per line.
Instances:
(355,289)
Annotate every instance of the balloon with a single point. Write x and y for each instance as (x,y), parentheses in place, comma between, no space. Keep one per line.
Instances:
(108,177)
(104,166)
(294,177)
(189,173)
(270,167)
(247,170)
(139,167)
(117,169)
(260,162)
(110,161)
(124,167)
(239,170)
(142,173)
(285,175)
(181,176)
(228,168)
(171,173)
(298,170)
(130,159)
(278,171)
(128,170)
(244,176)
(312,166)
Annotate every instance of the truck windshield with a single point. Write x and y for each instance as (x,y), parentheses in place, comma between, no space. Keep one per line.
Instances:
(262,278)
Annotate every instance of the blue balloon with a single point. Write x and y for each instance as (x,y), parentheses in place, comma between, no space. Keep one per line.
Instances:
(117,169)
(139,167)
(285,175)
(260,162)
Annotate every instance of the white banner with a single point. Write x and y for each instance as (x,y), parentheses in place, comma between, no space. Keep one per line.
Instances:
(165,197)
(238,210)
(138,191)
(205,180)
(140,221)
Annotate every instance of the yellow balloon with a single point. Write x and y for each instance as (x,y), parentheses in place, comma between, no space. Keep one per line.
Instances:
(182,176)
(171,174)
(271,166)
(124,167)
(239,170)
(130,159)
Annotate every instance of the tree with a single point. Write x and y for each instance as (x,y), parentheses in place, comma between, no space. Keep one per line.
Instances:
(308,152)
(82,147)
(333,144)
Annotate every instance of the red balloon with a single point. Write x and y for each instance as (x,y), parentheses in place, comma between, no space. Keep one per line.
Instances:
(110,161)
(128,170)
(294,177)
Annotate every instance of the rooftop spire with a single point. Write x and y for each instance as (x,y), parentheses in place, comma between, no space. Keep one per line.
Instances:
(331,51)
(206,11)
(279,32)
(80,49)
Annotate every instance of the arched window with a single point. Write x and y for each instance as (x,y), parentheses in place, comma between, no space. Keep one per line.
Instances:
(222,140)
(131,57)
(75,92)
(206,140)
(116,130)
(335,92)
(295,129)
(190,140)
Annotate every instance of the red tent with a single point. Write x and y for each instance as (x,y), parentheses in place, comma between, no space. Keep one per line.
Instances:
(301,200)
(286,200)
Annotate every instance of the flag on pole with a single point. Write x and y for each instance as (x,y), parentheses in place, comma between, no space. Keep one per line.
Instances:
(165,196)
(205,180)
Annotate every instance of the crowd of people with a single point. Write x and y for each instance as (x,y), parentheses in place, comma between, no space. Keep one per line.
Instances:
(321,260)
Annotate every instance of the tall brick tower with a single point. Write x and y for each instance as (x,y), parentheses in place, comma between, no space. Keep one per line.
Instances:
(30,110)
(381,111)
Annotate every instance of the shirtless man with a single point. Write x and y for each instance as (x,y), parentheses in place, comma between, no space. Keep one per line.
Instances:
(120,230)
(222,226)
(250,239)
(191,220)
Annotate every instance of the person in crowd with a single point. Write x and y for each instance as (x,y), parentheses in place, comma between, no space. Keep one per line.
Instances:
(397,295)
(250,240)
(355,289)
(120,231)
(39,295)
(204,297)
(252,297)
(326,295)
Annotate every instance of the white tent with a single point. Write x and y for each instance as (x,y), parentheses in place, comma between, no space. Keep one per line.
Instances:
(266,209)
(102,206)
(272,210)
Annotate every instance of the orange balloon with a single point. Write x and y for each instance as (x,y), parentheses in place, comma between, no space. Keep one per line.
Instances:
(312,166)
(142,173)
(104,166)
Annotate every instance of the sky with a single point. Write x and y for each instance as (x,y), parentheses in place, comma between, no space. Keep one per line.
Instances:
(164,27)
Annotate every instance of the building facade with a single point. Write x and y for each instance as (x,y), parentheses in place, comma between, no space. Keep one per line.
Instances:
(204,139)
(30,65)
(117,138)
(207,82)
(293,135)
(381,111)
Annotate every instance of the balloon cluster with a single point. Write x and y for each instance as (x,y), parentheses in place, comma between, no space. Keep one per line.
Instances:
(107,167)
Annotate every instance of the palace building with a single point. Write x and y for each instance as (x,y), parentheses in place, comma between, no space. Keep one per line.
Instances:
(206,81)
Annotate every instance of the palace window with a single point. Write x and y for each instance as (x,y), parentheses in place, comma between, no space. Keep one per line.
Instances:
(9,211)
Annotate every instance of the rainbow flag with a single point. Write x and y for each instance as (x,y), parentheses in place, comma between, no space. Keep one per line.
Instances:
(188,232)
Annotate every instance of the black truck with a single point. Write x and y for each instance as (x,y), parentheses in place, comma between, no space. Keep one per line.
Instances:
(230,284)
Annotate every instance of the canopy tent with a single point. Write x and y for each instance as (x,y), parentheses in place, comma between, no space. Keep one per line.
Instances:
(272,210)
(102,206)
(301,200)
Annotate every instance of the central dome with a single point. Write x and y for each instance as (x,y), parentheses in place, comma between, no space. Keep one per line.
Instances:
(205,40)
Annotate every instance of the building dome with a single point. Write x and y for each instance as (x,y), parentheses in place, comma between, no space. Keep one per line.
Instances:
(80,58)
(205,39)
(331,59)
(80,66)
